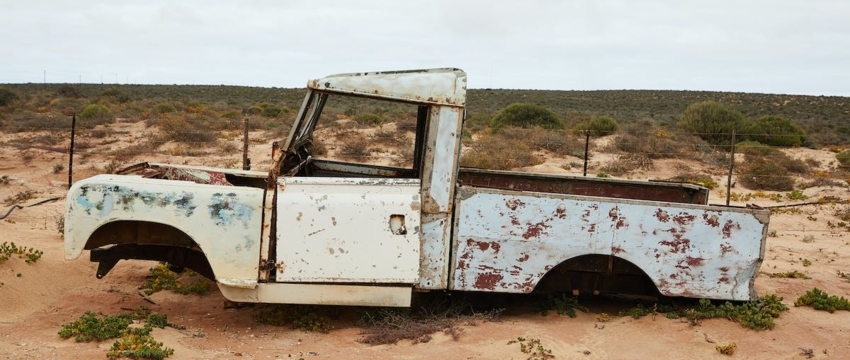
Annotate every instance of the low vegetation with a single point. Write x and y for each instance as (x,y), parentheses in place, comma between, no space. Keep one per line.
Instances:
(527,115)
(135,342)
(533,348)
(820,300)
(597,126)
(562,304)
(756,315)
(301,317)
(789,275)
(162,278)
(28,254)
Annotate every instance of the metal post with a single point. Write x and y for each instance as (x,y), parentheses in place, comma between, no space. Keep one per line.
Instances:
(586,146)
(246,163)
(71,152)
(731,167)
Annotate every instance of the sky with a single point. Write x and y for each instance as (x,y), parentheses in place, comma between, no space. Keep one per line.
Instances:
(769,46)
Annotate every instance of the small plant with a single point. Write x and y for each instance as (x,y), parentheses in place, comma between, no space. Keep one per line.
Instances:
(58,168)
(298,317)
(165,108)
(789,275)
(533,348)
(756,315)
(135,343)
(162,278)
(807,262)
(728,349)
(844,275)
(796,195)
(526,115)
(89,327)
(820,300)
(95,112)
(138,346)
(603,317)
(30,255)
(4,180)
(563,305)
(19,197)
(843,158)
(603,175)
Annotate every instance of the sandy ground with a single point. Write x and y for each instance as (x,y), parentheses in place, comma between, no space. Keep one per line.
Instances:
(35,299)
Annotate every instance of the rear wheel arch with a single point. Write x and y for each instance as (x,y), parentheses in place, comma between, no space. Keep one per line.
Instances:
(598,273)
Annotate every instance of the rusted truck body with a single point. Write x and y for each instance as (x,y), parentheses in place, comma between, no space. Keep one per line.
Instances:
(319,231)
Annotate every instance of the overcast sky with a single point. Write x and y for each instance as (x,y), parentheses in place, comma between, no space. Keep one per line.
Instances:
(776,46)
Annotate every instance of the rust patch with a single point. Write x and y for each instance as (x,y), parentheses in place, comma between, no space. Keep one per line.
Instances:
(728,227)
(613,214)
(524,258)
(534,230)
(677,245)
(684,219)
(662,215)
(692,261)
(514,204)
(484,246)
(495,246)
(724,269)
(487,281)
(725,248)
(724,280)
(616,250)
(561,212)
(514,220)
(712,220)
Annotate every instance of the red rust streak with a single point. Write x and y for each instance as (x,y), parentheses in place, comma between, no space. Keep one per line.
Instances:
(677,245)
(728,227)
(524,258)
(684,219)
(616,250)
(662,215)
(712,221)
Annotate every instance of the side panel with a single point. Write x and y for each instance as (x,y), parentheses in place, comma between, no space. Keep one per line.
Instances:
(224,221)
(342,230)
(507,241)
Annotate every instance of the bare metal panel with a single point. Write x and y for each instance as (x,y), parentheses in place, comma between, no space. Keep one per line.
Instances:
(507,240)
(341,230)
(434,86)
(321,294)
(224,221)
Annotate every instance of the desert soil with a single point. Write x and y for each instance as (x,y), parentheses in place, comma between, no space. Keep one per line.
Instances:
(36,299)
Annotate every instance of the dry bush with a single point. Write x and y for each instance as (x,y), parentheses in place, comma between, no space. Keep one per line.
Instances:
(355,146)
(765,174)
(626,163)
(699,179)
(28,121)
(406,124)
(317,147)
(557,141)
(653,143)
(187,130)
(494,152)
(389,138)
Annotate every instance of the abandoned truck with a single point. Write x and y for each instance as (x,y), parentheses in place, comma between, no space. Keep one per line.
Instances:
(319,231)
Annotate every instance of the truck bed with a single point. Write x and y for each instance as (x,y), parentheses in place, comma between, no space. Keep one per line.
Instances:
(585,186)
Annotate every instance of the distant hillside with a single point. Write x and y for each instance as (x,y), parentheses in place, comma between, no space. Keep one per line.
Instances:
(826,119)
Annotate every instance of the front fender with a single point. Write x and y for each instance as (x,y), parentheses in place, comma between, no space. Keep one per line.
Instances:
(224,221)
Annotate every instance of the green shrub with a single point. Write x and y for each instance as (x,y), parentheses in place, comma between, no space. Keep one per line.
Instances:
(7,96)
(116,94)
(95,112)
(231,114)
(563,305)
(750,147)
(843,158)
(598,126)
(369,119)
(712,121)
(527,115)
(163,278)
(165,108)
(187,130)
(776,131)
(765,174)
